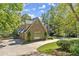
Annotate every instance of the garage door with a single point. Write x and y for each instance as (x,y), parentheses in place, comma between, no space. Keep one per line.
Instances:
(37,35)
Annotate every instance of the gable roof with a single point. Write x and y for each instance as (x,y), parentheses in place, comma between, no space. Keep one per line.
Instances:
(26,27)
(23,27)
(40,24)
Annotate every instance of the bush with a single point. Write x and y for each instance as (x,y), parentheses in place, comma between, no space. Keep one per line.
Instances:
(5,35)
(64,44)
(15,34)
(45,35)
(50,37)
(71,46)
(29,36)
(74,41)
(74,49)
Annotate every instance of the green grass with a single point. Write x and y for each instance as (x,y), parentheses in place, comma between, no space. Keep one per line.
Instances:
(48,48)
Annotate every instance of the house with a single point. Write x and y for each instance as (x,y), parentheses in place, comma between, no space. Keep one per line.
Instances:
(33,30)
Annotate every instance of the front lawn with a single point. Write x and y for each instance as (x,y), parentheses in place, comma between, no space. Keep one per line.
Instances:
(48,48)
(61,48)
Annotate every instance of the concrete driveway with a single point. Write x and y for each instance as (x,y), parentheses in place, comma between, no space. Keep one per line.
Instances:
(17,49)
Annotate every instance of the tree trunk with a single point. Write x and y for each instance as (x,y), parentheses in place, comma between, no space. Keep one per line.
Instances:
(76,16)
(71,6)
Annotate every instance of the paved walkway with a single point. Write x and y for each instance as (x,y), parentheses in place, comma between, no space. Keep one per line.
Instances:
(18,49)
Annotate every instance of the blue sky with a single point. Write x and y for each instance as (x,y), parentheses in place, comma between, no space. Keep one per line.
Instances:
(36,9)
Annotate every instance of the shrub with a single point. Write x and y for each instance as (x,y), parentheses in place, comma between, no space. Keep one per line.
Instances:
(15,34)
(29,36)
(71,46)
(45,35)
(64,44)
(74,41)
(5,35)
(50,37)
(74,49)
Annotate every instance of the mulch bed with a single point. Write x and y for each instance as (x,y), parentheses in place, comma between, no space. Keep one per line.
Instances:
(35,54)
(59,52)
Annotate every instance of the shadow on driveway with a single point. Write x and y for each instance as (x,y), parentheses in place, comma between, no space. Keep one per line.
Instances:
(15,41)
(1,46)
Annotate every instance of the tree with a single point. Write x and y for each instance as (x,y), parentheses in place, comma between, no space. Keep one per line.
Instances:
(72,8)
(63,20)
(9,18)
(25,17)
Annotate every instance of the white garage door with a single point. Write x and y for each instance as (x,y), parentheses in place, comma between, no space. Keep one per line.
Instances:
(37,35)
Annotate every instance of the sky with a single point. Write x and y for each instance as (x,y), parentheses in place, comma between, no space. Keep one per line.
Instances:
(36,9)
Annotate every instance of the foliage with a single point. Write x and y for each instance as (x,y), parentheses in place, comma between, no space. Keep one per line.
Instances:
(15,34)
(62,20)
(64,44)
(25,17)
(9,18)
(73,41)
(45,35)
(29,39)
(71,46)
(50,37)
(74,49)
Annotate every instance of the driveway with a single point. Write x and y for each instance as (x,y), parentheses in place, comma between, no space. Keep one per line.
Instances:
(9,48)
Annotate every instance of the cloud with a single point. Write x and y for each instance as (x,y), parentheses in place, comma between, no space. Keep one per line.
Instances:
(32,16)
(52,4)
(42,11)
(27,10)
(40,18)
(42,7)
